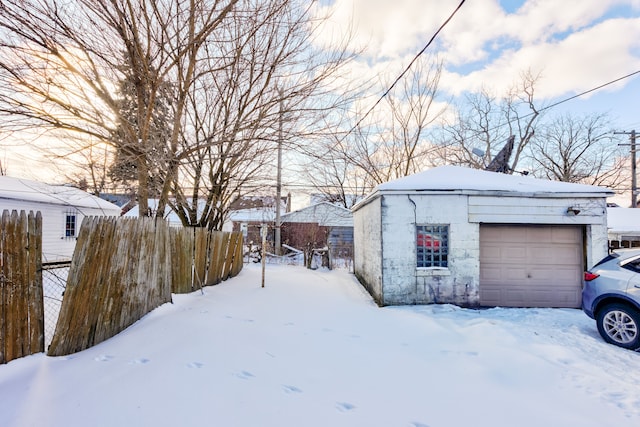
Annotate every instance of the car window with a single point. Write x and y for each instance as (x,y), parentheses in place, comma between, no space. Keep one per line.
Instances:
(607,258)
(633,265)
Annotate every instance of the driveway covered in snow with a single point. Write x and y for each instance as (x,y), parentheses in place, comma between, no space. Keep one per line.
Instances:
(312,349)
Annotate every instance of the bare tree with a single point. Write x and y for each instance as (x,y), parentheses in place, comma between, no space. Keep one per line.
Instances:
(578,149)
(392,141)
(260,82)
(337,179)
(394,145)
(89,167)
(232,70)
(60,63)
(483,126)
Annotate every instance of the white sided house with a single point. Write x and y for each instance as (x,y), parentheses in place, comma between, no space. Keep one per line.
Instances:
(477,238)
(63,208)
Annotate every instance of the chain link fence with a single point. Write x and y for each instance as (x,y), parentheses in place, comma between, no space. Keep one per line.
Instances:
(54,282)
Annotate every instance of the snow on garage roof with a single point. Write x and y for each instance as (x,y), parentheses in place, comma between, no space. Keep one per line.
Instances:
(461,178)
(475,181)
(39,192)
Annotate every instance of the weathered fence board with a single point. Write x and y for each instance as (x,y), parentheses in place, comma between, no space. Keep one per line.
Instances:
(124,268)
(36,290)
(237,262)
(120,271)
(21,294)
(201,244)
(181,260)
(217,247)
(228,258)
(199,256)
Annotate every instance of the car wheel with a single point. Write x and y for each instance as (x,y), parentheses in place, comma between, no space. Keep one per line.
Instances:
(619,324)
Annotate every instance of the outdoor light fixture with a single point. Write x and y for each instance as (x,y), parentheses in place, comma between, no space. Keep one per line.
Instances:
(572,211)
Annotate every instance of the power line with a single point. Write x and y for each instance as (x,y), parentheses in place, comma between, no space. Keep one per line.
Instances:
(562,101)
(590,90)
(408,67)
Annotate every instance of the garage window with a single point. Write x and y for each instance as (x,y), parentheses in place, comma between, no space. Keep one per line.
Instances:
(432,244)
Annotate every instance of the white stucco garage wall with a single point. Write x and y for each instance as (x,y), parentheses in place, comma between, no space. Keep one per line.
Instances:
(403,282)
(367,250)
(385,228)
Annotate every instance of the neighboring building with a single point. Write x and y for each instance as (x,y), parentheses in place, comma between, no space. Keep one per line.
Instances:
(478,238)
(62,207)
(623,227)
(319,225)
(248,213)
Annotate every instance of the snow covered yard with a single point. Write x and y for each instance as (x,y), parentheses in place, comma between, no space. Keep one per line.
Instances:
(312,349)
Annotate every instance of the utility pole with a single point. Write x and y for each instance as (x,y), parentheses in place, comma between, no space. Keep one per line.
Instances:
(278,246)
(634,185)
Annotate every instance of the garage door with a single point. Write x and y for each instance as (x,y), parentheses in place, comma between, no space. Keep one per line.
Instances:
(530,266)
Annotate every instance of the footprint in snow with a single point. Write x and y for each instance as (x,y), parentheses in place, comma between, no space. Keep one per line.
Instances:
(291,389)
(141,361)
(460,353)
(244,375)
(417,424)
(195,365)
(345,406)
(103,358)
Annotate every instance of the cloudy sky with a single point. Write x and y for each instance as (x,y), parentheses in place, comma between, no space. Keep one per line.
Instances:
(575,46)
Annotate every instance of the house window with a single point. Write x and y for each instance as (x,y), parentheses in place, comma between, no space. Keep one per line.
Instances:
(70,225)
(432,244)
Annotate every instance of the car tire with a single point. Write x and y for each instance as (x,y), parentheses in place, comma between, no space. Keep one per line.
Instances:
(619,324)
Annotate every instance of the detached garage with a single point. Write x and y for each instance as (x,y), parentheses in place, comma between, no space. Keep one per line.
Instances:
(477,238)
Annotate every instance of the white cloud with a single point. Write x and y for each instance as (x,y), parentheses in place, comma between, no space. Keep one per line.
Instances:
(574,44)
(389,29)
(580,62)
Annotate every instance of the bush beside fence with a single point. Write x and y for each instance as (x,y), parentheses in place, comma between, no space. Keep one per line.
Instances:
(21,295)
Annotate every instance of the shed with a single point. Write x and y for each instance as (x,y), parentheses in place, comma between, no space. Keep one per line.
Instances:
(62,207)
(477,238)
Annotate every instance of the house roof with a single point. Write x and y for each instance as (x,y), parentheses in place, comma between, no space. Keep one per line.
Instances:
(256,208)
(323,213)
(623,221)
(39,192)
(462,180)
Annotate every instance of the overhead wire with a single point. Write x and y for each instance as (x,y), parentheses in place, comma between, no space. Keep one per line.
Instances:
(562,101)
(401,75)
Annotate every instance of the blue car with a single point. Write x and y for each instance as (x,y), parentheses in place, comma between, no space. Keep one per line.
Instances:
(611,296)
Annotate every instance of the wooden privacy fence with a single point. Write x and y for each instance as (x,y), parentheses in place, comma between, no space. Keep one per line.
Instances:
(123,268)
(21,296)
(203,258)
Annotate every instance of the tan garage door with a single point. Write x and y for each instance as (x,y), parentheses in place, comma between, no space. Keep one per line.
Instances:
(530,266)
